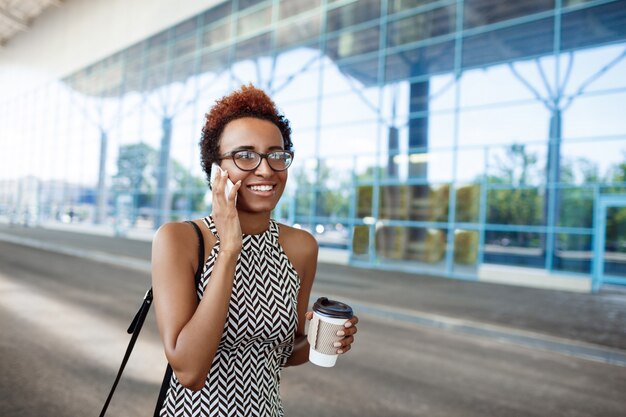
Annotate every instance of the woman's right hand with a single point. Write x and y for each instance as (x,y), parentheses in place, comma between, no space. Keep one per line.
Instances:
(225,214)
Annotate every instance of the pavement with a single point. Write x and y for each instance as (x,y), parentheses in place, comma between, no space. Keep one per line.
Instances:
(589,326)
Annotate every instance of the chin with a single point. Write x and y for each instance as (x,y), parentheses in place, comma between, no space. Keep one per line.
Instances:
(258,207)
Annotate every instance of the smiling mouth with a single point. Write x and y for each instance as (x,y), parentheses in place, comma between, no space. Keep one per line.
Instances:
(261,187)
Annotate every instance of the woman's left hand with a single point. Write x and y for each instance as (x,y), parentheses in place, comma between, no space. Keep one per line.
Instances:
(347,333)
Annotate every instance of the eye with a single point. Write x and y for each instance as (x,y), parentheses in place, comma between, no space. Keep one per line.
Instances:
(245,155)
(278,155)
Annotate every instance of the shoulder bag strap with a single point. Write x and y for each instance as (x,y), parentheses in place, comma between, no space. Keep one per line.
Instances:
(137,323)
(168,371)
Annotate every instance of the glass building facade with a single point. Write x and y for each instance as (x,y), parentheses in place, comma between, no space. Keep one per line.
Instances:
(437,137)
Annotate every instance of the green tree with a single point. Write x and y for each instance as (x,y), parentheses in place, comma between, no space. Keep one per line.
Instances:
(137,176)
(518,205)
(135,172)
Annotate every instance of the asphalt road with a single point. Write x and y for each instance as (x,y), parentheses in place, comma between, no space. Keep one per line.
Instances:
(63,322)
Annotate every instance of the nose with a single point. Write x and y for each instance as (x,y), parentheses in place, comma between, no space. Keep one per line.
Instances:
(264,170)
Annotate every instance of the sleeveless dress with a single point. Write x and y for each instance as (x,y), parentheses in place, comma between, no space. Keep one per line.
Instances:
(258,338)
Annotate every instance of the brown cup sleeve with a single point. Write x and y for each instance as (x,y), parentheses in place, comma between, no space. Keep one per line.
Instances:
(323,335)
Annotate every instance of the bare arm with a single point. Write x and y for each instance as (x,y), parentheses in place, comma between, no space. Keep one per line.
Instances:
(303,251)
(303,255)
(191,332)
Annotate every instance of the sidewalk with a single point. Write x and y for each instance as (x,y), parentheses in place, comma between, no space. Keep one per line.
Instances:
(592,326)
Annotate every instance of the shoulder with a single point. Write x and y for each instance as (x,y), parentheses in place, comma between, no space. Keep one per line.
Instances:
(301,248)
(297,239)
(172,231)
(177,237)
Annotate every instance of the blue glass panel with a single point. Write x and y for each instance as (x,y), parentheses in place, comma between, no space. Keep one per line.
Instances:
(417,244)
(259,45)
(350,43)
(595,25)
(218,12)
(421,26)
(511,43)
(288,8)
(573,253)
(419,61)
(352,14)
(484,12)
(515,248)
(515,206)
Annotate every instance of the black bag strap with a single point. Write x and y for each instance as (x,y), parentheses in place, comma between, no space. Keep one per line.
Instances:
(137,324)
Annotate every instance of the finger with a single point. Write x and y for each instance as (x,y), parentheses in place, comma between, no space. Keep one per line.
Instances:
(352,322)
(350,331)
(344,349)
(220,183)
(346,341)
(233,192)
(308,315)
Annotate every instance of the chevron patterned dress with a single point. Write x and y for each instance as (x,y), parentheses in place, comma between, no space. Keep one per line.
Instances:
(244,379)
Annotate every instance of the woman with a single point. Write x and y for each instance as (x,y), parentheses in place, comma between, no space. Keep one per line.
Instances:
(227,350)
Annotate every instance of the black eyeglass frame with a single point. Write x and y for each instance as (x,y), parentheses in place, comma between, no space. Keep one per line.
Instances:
(231,155)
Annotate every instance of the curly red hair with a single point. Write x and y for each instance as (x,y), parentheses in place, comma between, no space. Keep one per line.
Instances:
(248,101)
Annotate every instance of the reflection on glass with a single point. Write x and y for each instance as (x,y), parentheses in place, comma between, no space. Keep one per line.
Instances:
(331,234)
(515,248)
(573,253)
(421,26)
(396,6)
(352,43)
(288,8)
(516,42)
(595,25)
(216,13)
(352,14)
(470,165)
(364,70)
(259,45)
(342,141)
(485,12)
(465,247)
(467,203)
(606,110)
(411,244)
(517,164)
(575,207)
(184,47)
(254,22)
(615,242)
(424,60)
(520,206)
(364,201)
(298,32)
(414,202)
(431,166)
(304,201)
(216,35)
(333,203)
(360,240)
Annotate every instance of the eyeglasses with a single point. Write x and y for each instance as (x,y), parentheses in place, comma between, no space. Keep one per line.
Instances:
(247,160)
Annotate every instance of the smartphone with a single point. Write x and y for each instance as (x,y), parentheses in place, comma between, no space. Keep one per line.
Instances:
(216,170)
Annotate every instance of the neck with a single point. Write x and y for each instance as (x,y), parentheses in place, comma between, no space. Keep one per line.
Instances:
(253,223)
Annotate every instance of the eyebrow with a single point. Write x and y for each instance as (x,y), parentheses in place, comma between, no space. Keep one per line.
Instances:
(251,148)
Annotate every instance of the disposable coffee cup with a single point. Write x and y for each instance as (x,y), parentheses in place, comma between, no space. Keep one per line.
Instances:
(329,316)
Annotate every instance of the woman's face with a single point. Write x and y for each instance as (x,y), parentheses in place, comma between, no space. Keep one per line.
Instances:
(261,188)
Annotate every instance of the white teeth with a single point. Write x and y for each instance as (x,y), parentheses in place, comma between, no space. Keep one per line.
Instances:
(261,187)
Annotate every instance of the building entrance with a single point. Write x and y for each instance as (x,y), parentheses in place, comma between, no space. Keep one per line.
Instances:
(610,241)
